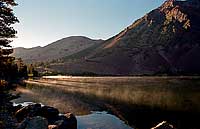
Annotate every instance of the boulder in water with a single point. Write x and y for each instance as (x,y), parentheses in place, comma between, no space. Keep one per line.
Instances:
(36,112)
(67,121)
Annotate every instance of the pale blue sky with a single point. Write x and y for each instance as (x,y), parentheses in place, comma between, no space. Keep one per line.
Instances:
(45,21)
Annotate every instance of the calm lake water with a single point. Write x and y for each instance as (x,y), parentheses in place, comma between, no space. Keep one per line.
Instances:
(120,102)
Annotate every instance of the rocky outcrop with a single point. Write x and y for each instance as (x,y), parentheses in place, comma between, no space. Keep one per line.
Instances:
(36,113)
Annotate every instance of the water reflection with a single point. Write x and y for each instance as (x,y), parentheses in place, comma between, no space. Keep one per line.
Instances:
(134,100)
(100,120)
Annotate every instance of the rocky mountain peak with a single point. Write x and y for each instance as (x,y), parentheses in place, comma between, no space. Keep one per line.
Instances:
(174,10)
(184,3)
(170,14)
(168,3)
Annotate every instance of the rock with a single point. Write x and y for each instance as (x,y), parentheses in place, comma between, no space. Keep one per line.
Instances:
(34,115)
(23,124)
(18,107)
(163,125)
(72,120)
(52,127)
(61,124)
(67,121)
(35,110)
(28,111)
(49,112)
(37,122)
(22,113)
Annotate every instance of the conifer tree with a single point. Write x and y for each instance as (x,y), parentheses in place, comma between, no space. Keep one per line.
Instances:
(7,32)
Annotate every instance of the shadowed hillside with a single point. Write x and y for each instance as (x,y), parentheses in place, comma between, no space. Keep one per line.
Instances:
(56,50)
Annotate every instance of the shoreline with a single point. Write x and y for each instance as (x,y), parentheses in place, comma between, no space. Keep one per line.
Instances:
(169,100)
(67,77)
(33,115)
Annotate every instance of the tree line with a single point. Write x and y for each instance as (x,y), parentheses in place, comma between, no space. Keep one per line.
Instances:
(10,68)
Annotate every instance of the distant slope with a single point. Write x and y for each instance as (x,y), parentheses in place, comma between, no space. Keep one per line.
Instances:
(56,50)
(164,41)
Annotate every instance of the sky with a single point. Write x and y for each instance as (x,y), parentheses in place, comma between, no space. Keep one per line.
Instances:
(45,21)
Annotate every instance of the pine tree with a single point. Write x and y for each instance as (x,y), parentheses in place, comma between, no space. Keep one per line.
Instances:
(7,19)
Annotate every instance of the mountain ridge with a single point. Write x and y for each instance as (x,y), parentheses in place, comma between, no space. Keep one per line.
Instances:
(164,41)
(55,50)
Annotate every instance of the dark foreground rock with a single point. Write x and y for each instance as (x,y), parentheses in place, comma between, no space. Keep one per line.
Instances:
(68,120)
(36,113)
(7,121)
(28,111)
(163,125)
(37,122)
(49,112)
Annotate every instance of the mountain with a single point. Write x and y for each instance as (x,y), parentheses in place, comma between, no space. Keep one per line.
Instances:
(164,41)
(56,50)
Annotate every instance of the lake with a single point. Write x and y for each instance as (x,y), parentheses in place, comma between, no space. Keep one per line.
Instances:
(119,102)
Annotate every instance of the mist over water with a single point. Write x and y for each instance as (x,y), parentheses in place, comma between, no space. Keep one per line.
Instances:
(103,102)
